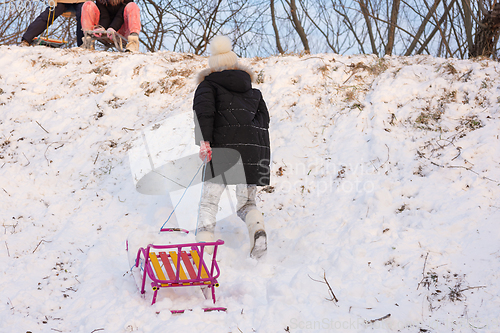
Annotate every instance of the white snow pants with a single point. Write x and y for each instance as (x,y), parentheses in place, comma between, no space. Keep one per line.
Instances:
(209,203)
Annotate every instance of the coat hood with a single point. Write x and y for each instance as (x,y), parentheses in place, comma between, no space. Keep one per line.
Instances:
(238,78)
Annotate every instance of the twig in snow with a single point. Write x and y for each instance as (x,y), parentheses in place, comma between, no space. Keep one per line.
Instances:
(388,151)
(42,127)
(27,160)
(468,73)
(289,115)
(459,153)
(349,78)
(423,270)
(425,263)
(442,146)
(45,154)
(469,288)
(378,319)
(314,57)
(6,191)
(456,166)
(330,290)
(491,180)
(96,158)
(8,252)
(334,298)
(97,329)
(441,166)
(14,226)
(11,305)
(43,240)
(470,169)
(462,167)
(466,168)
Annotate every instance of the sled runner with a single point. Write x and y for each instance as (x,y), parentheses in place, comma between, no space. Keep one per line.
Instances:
(117,41)
(50,42)
(179,265)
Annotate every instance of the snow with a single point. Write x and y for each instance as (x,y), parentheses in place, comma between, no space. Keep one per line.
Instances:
(385,183)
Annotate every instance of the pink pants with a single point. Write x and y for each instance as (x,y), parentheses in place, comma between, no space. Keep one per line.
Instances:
(131,16)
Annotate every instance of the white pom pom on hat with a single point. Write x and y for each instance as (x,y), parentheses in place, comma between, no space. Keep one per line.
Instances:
(221,54)
(220,44)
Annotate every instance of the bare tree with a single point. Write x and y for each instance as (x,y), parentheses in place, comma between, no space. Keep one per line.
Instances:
(487,32)
(366,16)
(467,17)
(327,29)
(450,28)
(297,25)
(154,23)
(422,27)
(349,18)
(392,27)
(188,26)
(275,28)
(16,16)
(437,27)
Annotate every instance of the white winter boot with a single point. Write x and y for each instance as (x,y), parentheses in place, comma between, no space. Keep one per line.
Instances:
(133,43)
(206,237)
(88,43)
(257,233)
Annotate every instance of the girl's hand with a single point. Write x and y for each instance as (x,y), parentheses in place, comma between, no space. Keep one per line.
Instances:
(205,151)
(110,33)
(99,34)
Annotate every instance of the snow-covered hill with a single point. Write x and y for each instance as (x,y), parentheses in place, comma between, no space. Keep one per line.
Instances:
(384,197)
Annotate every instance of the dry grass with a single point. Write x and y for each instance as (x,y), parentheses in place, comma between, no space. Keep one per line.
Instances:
(376,68)
(350,95)
(469,123)
(137,70)
(51,63)
(448,68)
(101,70)
(428,117)
(184,72)
(180,57)
(260,77)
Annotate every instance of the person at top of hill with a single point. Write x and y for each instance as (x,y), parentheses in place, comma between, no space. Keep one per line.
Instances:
(109,16)
(44,20)
(231,127)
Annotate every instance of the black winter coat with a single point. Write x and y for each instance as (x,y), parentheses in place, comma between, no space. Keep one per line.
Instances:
(233,117)
(111,15)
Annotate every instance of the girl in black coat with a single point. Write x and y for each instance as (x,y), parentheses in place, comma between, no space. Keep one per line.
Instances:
(232,122)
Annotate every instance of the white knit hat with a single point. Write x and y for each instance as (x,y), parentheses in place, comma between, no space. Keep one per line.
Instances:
(221,54)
